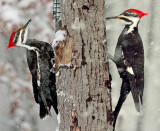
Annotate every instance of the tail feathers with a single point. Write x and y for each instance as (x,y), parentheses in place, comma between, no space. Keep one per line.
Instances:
(55,103)
(125,89)
(55,108)
(135,92)
(141,99)
(44,111)
(138,101)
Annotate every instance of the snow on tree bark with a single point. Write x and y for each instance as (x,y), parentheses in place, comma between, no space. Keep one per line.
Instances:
(84,91)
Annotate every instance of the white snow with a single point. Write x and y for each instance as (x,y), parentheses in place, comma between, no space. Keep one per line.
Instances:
(59,118)
(66,95)
(59,36)
(59,121)
(61,93)
(10,14)
(78,24)
(57,128)
(67,65)
(57,74)
(25,3)
(26,126)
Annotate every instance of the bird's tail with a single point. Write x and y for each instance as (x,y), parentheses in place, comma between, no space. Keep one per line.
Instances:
(44,106)
(138,101)
(54,102)
(125,89)
(53,93)
(135,92)
(43,111)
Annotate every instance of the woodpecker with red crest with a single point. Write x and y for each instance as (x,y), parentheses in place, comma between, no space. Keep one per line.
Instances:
(129,59)
(40,59)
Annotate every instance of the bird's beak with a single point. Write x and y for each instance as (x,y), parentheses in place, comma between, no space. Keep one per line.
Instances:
(120,18)
(112,18)
(115,17)
(27,23)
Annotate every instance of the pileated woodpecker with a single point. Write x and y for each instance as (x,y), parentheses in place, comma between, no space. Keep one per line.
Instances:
(129,59)
(40,58)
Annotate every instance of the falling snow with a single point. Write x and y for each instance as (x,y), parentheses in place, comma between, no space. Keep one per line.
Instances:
(18,110)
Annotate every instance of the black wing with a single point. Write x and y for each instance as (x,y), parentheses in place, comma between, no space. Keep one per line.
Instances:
(134,55)
(32,64)
(47,80)
(47,90)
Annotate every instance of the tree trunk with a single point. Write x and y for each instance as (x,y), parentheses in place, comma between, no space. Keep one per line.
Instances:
(84,90)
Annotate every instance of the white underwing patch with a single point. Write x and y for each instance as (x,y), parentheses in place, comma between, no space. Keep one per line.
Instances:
(133,25)
(130,70)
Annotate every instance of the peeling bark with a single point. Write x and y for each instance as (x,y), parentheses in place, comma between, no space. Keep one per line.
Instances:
(84,91)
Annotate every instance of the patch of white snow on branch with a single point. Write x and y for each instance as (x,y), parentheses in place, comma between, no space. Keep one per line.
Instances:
(57,74)
(78,24)
(59,118)
(65,65)
(59,36)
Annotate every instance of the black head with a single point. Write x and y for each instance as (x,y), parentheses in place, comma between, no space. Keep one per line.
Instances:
(130,16)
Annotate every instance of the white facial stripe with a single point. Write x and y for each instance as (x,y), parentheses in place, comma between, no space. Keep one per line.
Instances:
(135,21)
(19,39)
(25,35)
(122,21)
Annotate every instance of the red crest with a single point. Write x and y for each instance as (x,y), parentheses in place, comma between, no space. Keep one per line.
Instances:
(11,41)
(138,12)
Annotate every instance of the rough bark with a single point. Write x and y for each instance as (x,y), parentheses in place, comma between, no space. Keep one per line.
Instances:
(84,90)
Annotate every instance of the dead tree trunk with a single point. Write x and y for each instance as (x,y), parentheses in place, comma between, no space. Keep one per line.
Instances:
(84,91)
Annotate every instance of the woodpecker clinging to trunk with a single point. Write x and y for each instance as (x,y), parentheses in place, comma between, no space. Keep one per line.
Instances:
(129,58)
(40,58)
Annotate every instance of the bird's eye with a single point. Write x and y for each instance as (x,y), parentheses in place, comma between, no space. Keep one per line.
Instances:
(125,14)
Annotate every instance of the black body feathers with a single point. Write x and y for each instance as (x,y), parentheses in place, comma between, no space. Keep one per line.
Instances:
(40,62)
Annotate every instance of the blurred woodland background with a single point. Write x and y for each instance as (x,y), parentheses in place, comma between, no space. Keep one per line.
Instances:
(18,110)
